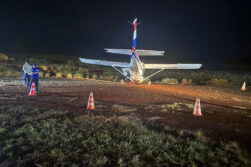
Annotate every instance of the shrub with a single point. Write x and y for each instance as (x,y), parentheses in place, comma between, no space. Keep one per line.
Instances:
(47,75)
(69,75)
(44,68)
(78,75)
(169,81)
(200,137)
(12,73)
(9,71)
(219,82)
(41,74)
(39,61)
(82,71)
(109,78)
(186,81)
(59,75)
(59,67)
(202,77)
(94,76)
(3,68)
(71,63)
(3,57)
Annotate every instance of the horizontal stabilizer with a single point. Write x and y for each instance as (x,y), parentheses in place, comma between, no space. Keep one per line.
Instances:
(172,66)
(139,52)
(104,63)
(119,51)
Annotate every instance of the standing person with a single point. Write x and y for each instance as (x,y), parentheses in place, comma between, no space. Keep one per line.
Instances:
(34,76)
(27,71)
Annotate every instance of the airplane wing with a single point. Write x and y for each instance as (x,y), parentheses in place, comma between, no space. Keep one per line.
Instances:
(139,52)
(105,63)
(119,51)
(172,66)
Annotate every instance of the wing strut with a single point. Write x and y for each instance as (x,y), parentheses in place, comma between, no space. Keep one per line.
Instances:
(153,74)
(122,73)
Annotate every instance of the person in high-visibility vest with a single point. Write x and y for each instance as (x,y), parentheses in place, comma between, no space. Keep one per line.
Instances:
(35,76)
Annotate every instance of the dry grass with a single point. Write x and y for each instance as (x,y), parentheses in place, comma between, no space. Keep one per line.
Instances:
(186,81)
(41,74)
(47,75)
(176,106)
(94,76)
(200,137)
(122,108)
(44,68)
(168,81)
(59,75)
(218,82)
(69,75)
(78,76)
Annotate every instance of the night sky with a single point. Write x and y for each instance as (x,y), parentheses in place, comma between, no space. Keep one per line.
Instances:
(191,31)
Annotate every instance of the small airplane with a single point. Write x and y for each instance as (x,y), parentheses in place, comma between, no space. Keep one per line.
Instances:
(134,71)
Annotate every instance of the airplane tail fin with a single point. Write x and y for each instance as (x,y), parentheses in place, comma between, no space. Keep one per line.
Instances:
(134,32)
(134,53)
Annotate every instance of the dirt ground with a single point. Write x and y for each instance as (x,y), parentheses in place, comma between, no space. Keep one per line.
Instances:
(226,111)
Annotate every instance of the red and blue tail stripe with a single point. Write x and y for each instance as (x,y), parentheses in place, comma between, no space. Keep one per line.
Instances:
(134,54)
(137,57)
(134,32)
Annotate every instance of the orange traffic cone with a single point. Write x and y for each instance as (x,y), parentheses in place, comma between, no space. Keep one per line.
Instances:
(243,86)
(32,91)
(197,109)
(91,105)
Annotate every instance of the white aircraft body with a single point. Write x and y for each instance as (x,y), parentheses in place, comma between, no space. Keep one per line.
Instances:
(134,70)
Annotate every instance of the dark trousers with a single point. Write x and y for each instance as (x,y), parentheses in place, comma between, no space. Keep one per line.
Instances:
(26,79)
(36,84)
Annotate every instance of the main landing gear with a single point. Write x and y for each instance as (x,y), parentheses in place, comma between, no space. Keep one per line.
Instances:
(149,83)
(122,82)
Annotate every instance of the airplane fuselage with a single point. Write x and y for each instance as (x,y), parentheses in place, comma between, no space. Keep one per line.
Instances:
(137,69)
